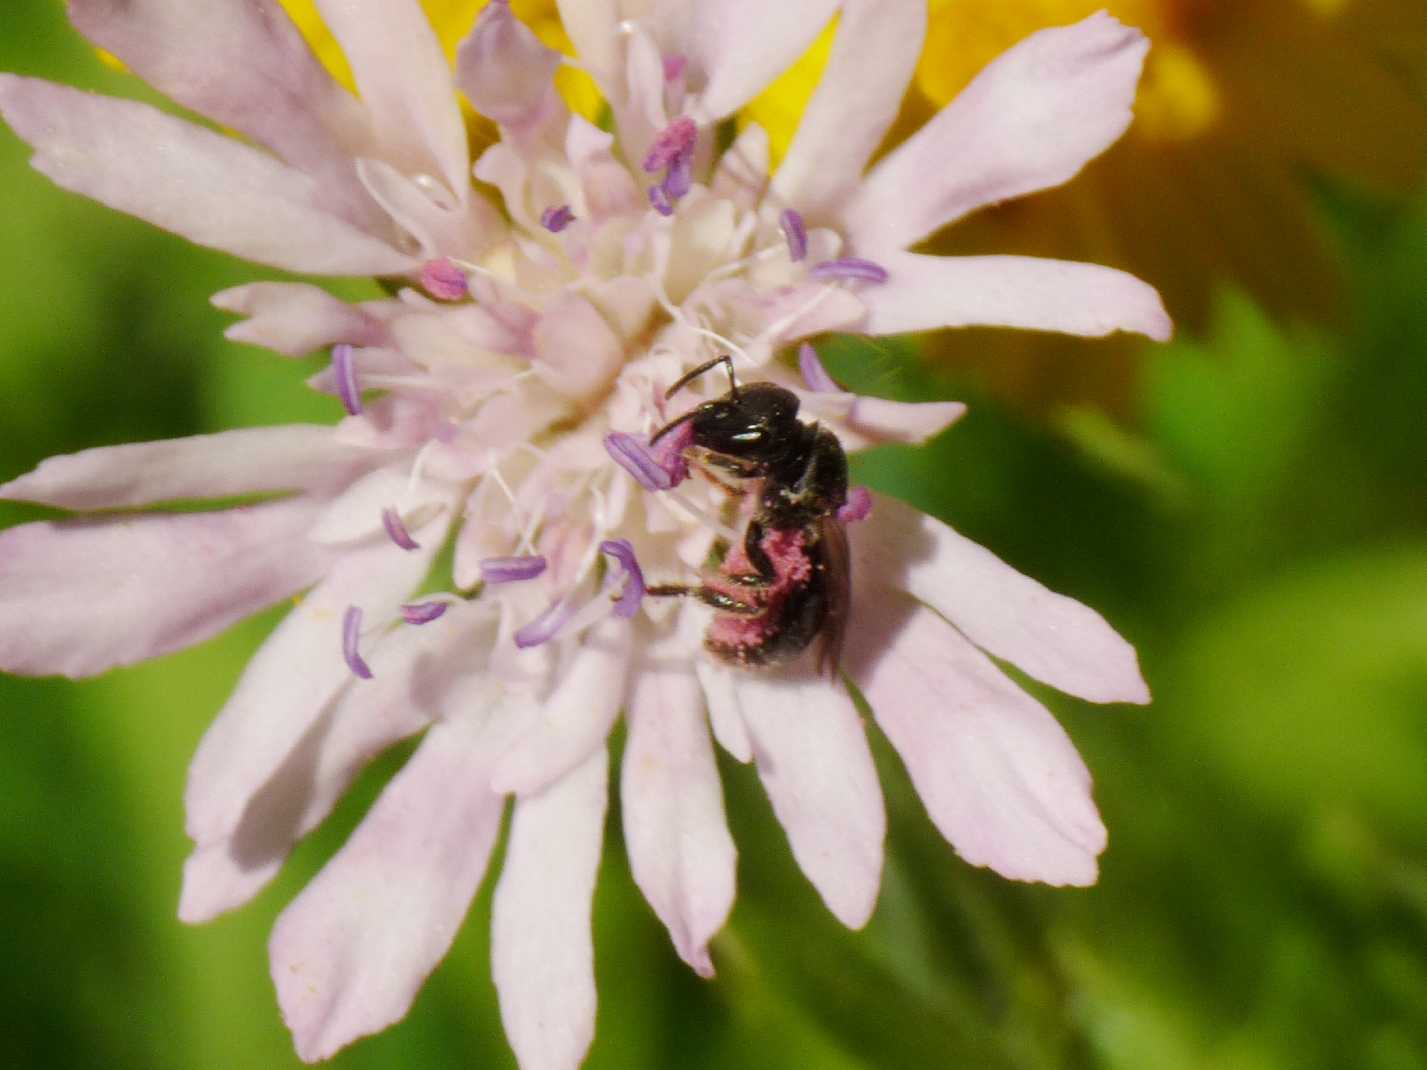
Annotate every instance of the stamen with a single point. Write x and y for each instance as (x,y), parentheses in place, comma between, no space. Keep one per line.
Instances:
(423,612)
(814,374)
(396,530)
(680,177)
(544,627)
(635,457)
(849,269)
(628,602)
(512,569)
(796,233)
(659,198)
(351,632)
(675,140)
(346,373)
(556,219)
(443,280)
(857,507)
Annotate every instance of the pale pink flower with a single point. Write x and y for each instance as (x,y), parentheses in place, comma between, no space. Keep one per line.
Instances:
(527,352)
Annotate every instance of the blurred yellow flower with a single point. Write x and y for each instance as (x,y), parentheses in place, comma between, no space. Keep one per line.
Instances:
(1241,100)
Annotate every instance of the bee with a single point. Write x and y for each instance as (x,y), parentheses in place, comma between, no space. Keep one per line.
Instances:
(787,583)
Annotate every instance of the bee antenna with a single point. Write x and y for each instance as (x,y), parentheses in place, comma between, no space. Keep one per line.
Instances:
(671,425)
(690,376)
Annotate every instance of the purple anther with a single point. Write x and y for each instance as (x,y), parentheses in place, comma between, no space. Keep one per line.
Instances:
(675,140)
(796,232)
(680,177)
(512,569)
(633,594)
(668,452)
(814,374)
(443,280)
(351,632)
(423,612)
(849,269)
(857,507)
(635,457)
(544,627)
(659,198)
(396,530)
(556,219)
(346,375)
(674,66)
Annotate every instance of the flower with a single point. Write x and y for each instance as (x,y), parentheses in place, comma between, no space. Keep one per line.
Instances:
(506,402)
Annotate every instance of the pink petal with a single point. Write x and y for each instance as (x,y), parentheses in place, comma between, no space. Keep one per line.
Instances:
(1046,635)
(407,86)
(813,760)
(542,955)
(224,465)
(419,676)
(290,682)
(246,67)
(504,69)
(725,716)
(862,421)
(80,597)
(577,352)
(351,952)
(1032,119)
(211,189)
(742,45)
(295,319)
(998,775)
(872,61)
(741,174)
(674,829)
(574,720)
(926,292)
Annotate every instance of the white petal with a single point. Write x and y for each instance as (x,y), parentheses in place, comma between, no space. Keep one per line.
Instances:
(743,45)
(420,674)
(351,952)
(406,84)
(504,69)
(872,61)
(999,776)
(813,760)
(211,189)
(80,597)
(679,846)
(290,682)
(357,513)
(254,460)
(725,715)
(246,67)
(575,719)
(862,421)
(1051,637)
(542,954)
(741,174)
(295,319)
(926,292)
(1032,119)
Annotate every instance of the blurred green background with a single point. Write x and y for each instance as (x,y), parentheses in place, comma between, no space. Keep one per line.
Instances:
(1255,519)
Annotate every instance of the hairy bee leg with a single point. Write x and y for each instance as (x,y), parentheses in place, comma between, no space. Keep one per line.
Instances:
(707,595)
(764,574)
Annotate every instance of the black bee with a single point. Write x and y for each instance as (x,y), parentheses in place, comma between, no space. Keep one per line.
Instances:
(787,582)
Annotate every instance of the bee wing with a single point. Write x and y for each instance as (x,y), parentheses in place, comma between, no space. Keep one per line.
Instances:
(837,563)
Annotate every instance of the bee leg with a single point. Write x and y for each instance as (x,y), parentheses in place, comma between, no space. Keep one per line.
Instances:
(707,595)
(764,574)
